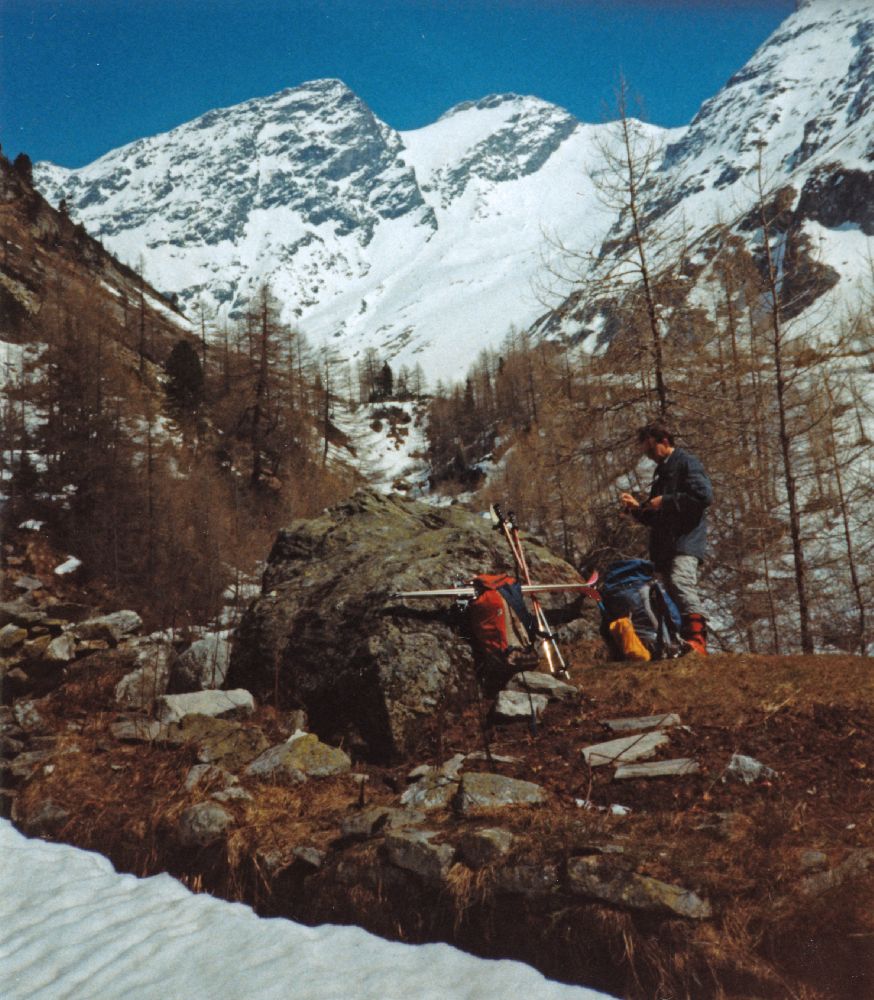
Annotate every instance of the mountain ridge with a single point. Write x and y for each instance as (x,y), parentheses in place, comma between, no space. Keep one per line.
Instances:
(429,245)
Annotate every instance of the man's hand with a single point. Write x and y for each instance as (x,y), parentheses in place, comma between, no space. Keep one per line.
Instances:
(655,503)
(628,501)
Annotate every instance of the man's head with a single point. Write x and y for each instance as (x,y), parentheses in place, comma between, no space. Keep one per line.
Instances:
(656,440)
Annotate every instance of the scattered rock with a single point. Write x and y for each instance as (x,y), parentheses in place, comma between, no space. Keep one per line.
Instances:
(625,749)
(302,757)
(46,820)
(28,717)
(11,637)
(748,769)
(517,706)
(855,866)
(28,583)
(657,769)
(232,745)
(415,851)
(209,774)
(601,878)
(433,792)
(493,791)
(372,820)
(204,665)
(20,613)
(545,684)
(530,881)
(150,677)
(112,628)
(236,704)
(203,824)
(638,723)
(61,649)
(137,729)
(478,848)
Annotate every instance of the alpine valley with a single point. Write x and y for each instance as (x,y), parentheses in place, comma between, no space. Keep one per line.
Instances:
(430,245)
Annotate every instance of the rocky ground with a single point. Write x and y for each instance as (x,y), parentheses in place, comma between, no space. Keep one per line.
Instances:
(719,845)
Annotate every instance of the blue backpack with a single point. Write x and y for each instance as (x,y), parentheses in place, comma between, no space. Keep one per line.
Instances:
(629,589)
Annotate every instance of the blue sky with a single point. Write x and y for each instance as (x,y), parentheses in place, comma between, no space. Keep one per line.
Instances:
(81,77)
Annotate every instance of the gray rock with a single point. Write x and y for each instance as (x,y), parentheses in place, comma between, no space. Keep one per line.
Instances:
(203,824)
(374,819)
(20,613)
(137,729)
(232,794)
(61,649)
(855,866)
(601,878)
(430,794)
(625,749)
(112,628)
(657,769)
(231,745)
(11,637)
(46,820)
(640,722)
(25,765)
(478,848)
(415,851)
(517,706)
(28,583)
(153,662)
(748,769)
(310,856)
(209,775)
(204,665)
(327,630)
(28,717)
(531,881)
(298,759)
(237,704)
(478,791)
(545,684)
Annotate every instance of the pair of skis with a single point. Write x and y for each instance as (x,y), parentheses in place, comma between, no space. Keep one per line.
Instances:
(507,525)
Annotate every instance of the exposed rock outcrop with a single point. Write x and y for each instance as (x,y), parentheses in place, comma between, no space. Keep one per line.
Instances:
(327,635)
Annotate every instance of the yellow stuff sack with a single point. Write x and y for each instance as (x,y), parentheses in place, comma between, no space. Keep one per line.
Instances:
(627,642)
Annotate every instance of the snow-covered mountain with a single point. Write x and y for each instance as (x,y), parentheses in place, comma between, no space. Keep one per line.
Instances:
(429,245)
(424,244)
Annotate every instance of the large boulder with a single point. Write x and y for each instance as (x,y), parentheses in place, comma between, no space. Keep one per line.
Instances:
(327,635)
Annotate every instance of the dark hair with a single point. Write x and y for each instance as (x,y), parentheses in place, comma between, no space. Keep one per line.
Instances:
(657,429)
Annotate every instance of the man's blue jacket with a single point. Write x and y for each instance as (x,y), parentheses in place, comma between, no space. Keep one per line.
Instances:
(679,527)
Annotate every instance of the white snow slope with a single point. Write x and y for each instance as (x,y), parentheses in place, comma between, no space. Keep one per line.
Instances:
(74,929)
(429,245)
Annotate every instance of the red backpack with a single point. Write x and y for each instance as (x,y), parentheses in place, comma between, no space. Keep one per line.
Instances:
(498,619)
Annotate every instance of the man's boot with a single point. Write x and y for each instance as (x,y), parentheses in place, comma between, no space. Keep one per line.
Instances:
(694,631)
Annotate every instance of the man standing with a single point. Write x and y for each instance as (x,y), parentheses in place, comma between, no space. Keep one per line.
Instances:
(676,515)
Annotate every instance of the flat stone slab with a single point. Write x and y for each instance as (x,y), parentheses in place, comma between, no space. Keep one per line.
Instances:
(601,878)
(113,627)
(627,748)
(658,769)
(482,847)
(234,704)
(517,706)
(640,722)
(302,757)
(414,851)
(493,791)
(545,684)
